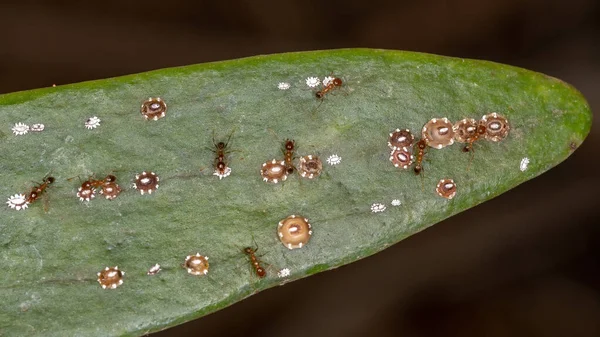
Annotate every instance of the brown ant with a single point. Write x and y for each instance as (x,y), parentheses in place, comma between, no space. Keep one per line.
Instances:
(222,170)
(96,183)
(479,134)
(420,149)
(333,84)
(37,190)
(288,152)
(260,271)
(87,191)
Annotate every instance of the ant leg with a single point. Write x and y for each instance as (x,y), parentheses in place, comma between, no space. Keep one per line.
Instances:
(77,176)
(255,244)
(471,156)
(314,111)
(228,138)
(45,202)
(213,138)
(272,132)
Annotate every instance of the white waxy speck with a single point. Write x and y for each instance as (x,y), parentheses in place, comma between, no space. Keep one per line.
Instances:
(37,127)
(17,201)
(225,173)
(396,202)
(283,86)
(20,129)
(312,81)
(334,159)
(327,80)
(285,272)
(92,123)
(154,270)
(524,164)
(377,207)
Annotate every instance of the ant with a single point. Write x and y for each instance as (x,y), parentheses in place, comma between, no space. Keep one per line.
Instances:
(478,134)
(471,132)
(110,189)
(94,183)
(336,82)
(222,170)
(260,271)
(288,152)
(37,190)
(420,149)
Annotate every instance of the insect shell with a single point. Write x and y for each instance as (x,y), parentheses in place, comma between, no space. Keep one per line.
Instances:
(310,167)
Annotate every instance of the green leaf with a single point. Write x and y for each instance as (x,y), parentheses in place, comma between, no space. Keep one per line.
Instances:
(50,259)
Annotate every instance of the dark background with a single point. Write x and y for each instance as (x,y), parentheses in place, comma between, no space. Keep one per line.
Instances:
(524,264)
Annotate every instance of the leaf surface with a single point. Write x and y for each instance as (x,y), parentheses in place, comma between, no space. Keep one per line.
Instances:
(48,286)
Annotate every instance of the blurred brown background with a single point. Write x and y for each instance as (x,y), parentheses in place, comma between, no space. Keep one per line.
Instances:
(524,264)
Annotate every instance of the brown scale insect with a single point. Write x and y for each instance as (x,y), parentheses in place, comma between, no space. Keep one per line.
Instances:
(420,153)
(288,152)
(260,271)
(222,169)
(333,84)
(37,190)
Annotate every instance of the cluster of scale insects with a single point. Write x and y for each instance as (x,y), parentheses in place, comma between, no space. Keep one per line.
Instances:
(274,171)
(439,133)
(294,231)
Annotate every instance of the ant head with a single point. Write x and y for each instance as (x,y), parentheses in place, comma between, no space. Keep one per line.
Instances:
(467,148)
(220,145)
(221,165)
(49,180)
(289,145)
(290,170)
(319,94)
(418,169)
(248,250)
(110,178)
(337,82)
